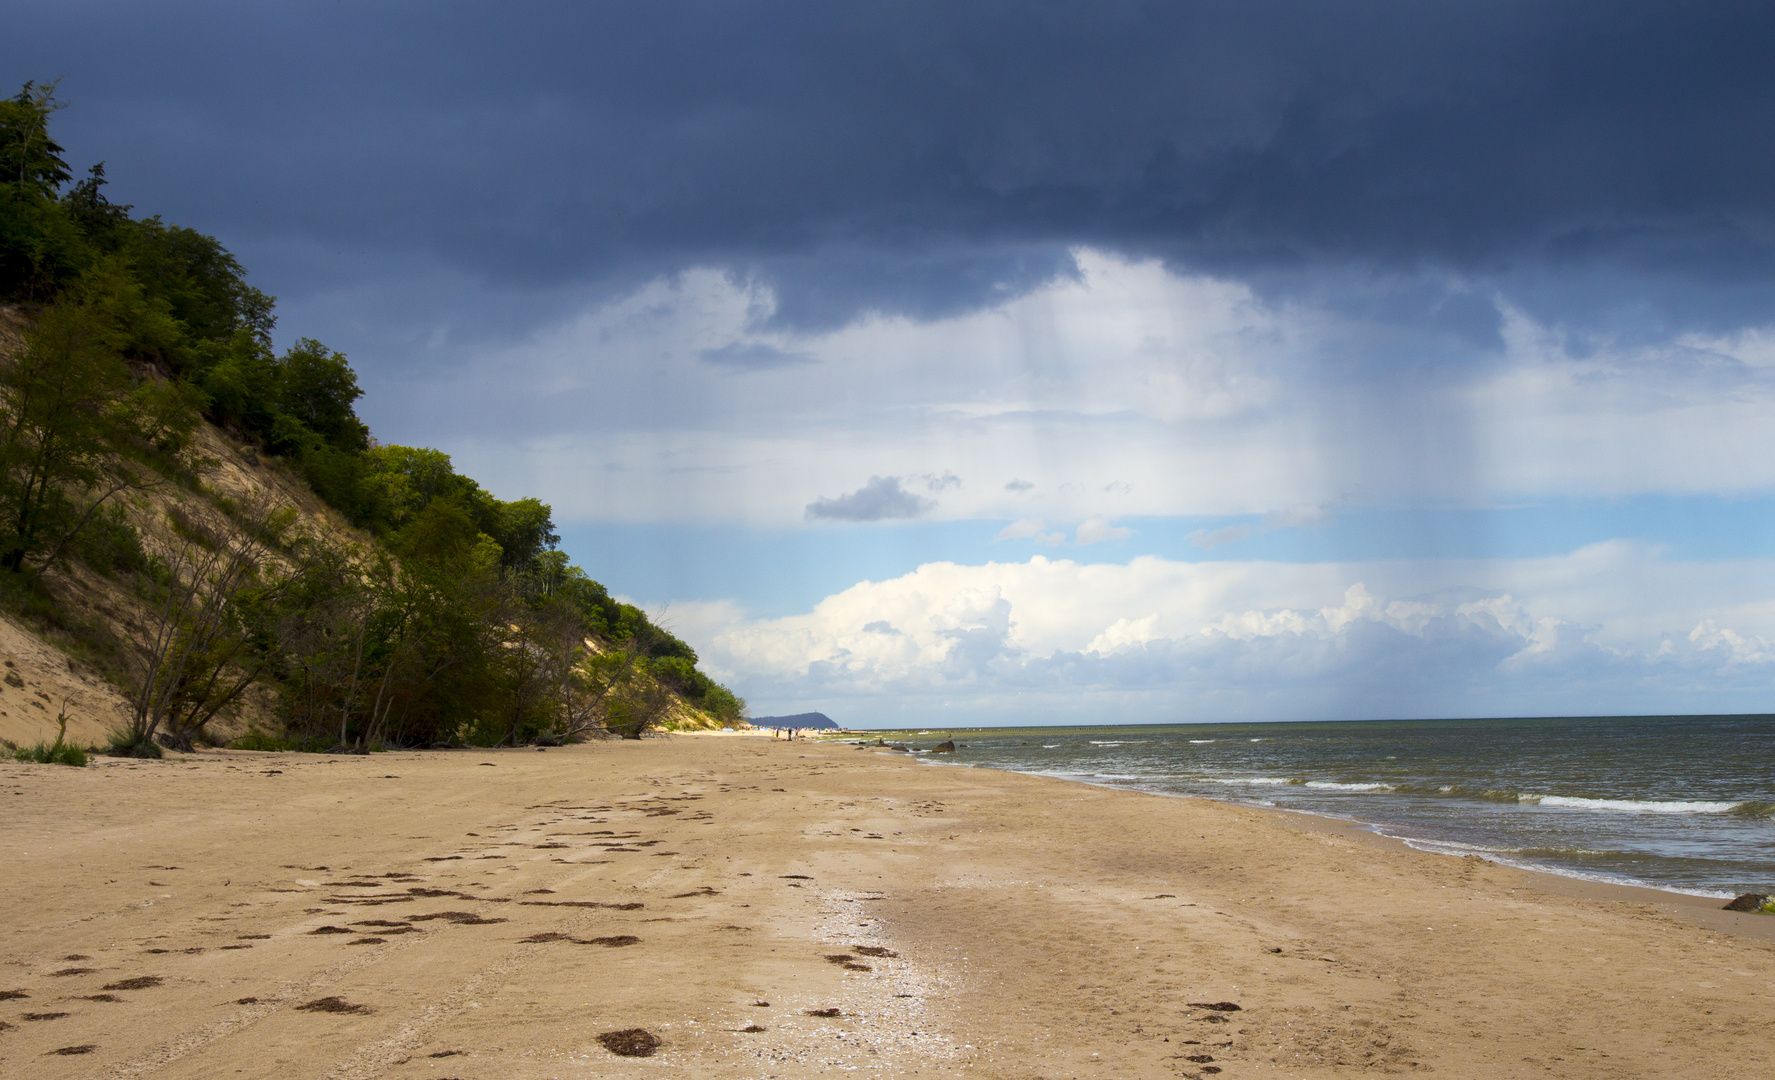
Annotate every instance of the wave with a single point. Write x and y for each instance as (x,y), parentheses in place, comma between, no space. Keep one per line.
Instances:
(1530,859)
(1118,742)
(1262,781)
(1737,808)
(1636,806)
(1198,742)
(1330,785)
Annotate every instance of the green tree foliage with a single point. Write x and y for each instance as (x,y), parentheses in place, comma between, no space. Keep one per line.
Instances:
(72,428)
(458,620)
(30,161)
(41,246)
(318,388)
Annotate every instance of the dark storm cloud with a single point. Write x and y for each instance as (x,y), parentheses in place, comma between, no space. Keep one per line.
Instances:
(881,499)
(925,156)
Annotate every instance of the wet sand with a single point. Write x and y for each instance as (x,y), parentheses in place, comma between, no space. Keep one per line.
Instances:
(490,914)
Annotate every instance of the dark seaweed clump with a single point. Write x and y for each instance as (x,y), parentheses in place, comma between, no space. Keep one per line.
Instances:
(630,1042)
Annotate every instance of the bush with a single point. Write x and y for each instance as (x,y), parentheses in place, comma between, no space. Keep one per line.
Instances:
(258,740)
(126,744)
(110,545)
(57,753)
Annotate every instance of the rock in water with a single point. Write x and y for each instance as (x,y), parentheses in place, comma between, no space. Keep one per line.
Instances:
(1752,901)
(947,746)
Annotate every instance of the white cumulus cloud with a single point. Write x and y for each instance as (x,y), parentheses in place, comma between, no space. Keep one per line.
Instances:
(1155,639)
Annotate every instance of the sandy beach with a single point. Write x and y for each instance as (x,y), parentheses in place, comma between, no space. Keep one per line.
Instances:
(489,914)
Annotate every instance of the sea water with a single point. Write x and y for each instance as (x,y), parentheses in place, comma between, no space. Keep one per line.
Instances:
(1685,803)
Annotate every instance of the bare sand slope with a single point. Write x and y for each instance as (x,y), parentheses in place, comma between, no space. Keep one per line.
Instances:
(38,682)
(490,914)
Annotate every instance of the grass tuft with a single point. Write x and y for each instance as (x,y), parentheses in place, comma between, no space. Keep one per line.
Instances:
(125,744)
(52,754)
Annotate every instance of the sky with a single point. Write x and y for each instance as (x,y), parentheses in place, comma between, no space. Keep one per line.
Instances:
(955,363)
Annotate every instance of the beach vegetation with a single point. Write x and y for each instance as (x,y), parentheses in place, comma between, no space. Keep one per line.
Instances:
(60,752)
(56,753)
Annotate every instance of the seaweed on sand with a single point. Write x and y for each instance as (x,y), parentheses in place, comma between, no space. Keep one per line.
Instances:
(630,1042)
(334,1005)
(140,982)
(460,918)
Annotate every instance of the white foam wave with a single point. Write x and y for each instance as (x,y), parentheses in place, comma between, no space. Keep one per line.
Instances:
(1330,785)
(1199,742)
(1635,806)
(1263,781)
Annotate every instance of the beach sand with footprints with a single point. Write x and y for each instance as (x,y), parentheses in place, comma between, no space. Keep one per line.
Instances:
(741,907)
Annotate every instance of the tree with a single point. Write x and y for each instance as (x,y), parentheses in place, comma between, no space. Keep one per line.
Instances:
(201,652)
(198,281)
(103,222)
(637,705)
(318,388)
(60,443)
(30,161)
(41,246)
(524,528)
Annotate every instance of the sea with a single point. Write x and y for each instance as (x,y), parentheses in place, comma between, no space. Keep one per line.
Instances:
(1682,803)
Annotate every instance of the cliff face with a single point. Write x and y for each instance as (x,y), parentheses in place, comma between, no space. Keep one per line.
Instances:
(76,649)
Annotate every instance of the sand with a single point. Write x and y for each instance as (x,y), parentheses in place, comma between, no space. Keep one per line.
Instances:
(490,914)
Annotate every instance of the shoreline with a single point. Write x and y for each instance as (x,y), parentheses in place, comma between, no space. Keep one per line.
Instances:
(1703,908)
(789,909)
(1397,831)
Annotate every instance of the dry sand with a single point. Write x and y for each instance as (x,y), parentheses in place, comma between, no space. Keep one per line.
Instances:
(469,914)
